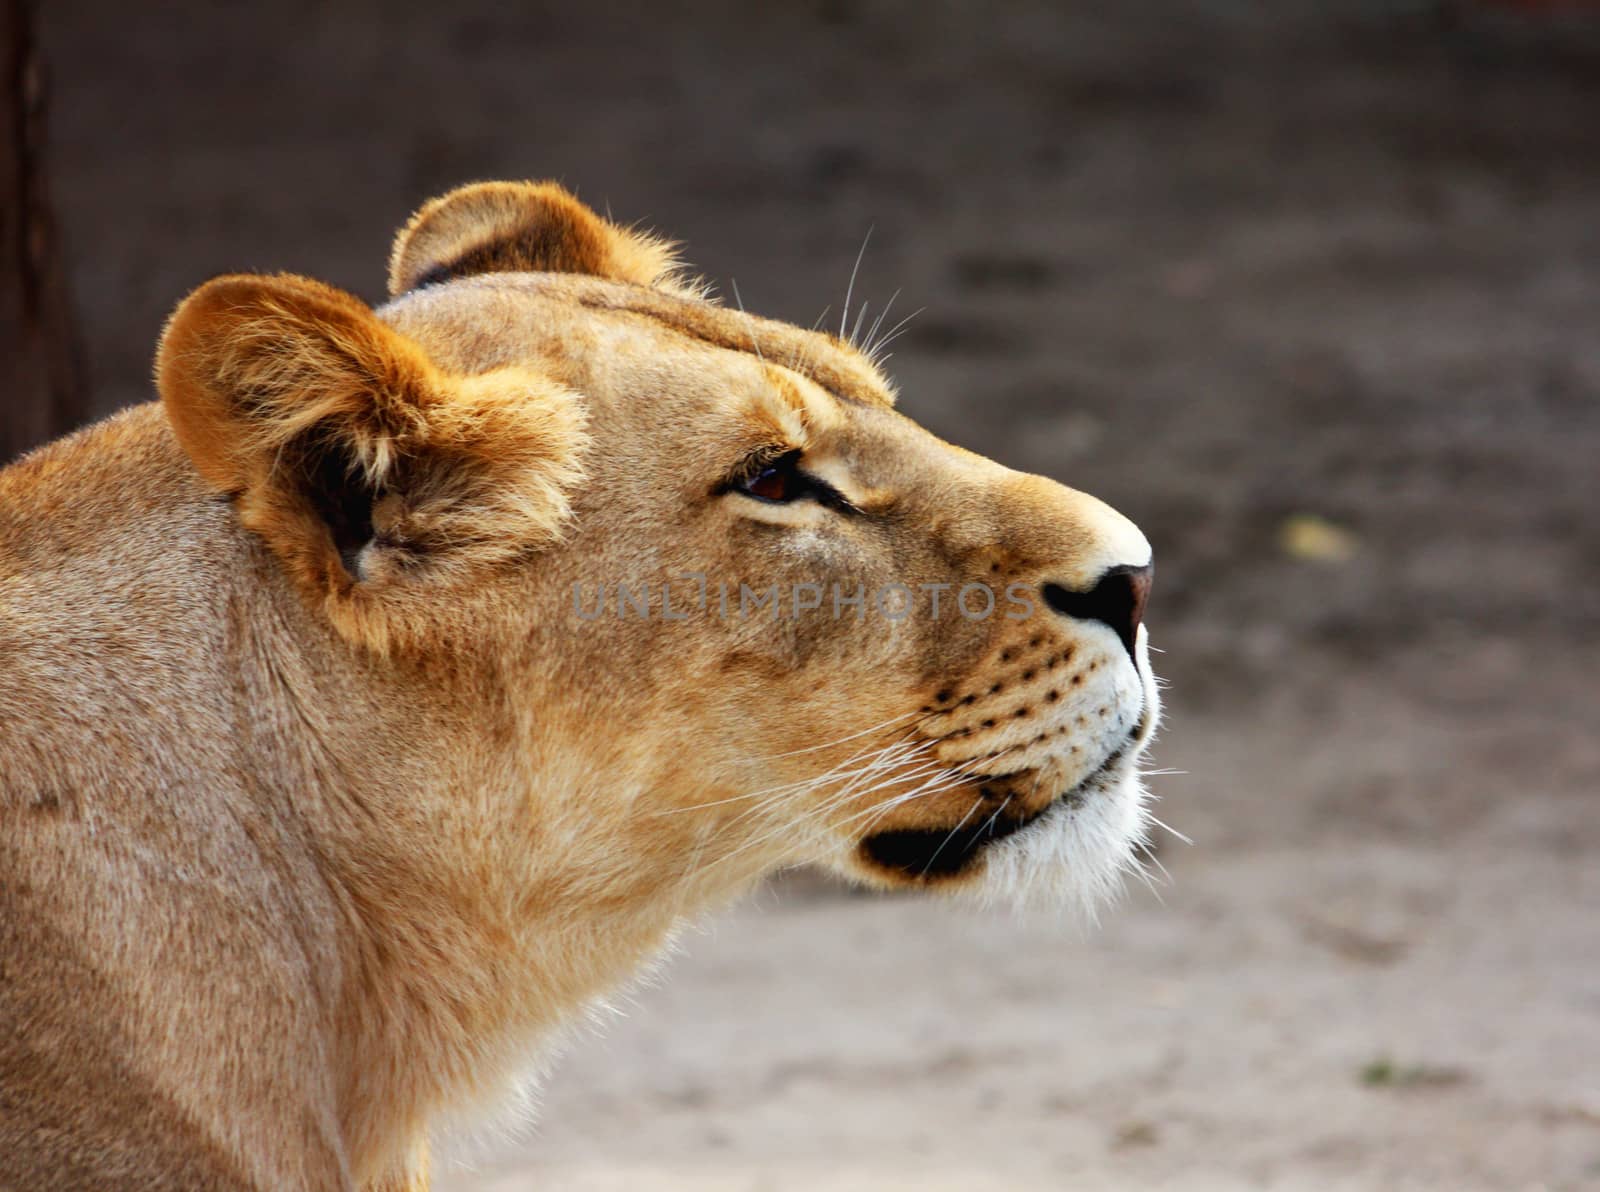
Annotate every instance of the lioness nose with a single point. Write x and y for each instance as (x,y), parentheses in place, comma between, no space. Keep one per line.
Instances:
(1117,599)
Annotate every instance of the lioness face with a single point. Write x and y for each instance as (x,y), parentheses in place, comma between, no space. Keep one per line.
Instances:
(780,620)
(824,633)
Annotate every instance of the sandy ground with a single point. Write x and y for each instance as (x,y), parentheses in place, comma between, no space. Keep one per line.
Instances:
(1311,295)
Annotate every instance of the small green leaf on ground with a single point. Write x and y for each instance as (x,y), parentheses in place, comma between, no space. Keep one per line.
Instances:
(1384,1072)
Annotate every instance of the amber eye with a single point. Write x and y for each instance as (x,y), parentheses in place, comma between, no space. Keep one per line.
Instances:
(778,481)
(781,481)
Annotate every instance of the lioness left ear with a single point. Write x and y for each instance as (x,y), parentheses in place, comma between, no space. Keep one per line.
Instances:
(532,227)
(373,476)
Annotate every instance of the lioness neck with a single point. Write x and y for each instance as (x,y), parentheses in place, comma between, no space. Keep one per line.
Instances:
(399,880)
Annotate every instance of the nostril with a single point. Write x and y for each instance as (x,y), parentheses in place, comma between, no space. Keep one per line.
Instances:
(1117,599)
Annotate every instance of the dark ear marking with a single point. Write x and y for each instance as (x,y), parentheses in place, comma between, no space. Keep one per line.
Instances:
(524,227)
(343,499)
(535,245)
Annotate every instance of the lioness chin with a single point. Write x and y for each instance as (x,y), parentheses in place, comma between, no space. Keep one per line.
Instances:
(394,687)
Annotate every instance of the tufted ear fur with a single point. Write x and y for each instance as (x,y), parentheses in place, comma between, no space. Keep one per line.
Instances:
(535,227)
(375,478)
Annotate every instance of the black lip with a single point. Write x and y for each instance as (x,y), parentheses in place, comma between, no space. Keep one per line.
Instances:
(937,852)
(944,852)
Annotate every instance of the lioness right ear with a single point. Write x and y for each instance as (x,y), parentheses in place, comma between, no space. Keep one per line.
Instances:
(372,475)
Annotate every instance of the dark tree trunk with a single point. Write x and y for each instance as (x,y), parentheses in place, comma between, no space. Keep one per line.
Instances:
(41,390)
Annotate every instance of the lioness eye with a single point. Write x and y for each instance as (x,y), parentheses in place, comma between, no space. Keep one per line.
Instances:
(781,481)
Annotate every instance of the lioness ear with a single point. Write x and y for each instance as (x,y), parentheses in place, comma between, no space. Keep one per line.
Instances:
(371,474)
(534,227)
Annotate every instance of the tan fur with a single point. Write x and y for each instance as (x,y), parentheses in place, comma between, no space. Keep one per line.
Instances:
(526,226)
(266,380)
(323,811)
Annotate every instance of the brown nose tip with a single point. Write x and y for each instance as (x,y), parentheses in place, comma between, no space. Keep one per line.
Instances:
(1117,599)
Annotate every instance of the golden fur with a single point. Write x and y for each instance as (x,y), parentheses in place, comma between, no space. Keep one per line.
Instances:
(325,803)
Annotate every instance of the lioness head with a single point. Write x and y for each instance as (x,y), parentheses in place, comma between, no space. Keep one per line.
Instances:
(738,611)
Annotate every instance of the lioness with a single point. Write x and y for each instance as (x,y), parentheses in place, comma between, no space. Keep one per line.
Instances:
(398,685)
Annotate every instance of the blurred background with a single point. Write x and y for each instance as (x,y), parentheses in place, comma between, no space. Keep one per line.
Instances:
(1309,290)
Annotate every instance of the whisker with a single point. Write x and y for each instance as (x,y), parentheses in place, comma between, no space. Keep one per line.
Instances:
(935,785)
(853,782)
(988,824)
(834,771)
(976,803)
(896,332)
(817,815)
(1134,868)
(928,773)
(877,323)
(1169,828)
(855,331)
(849,290)
(1149,858)
(754,343)
(879,761)
(830,744)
